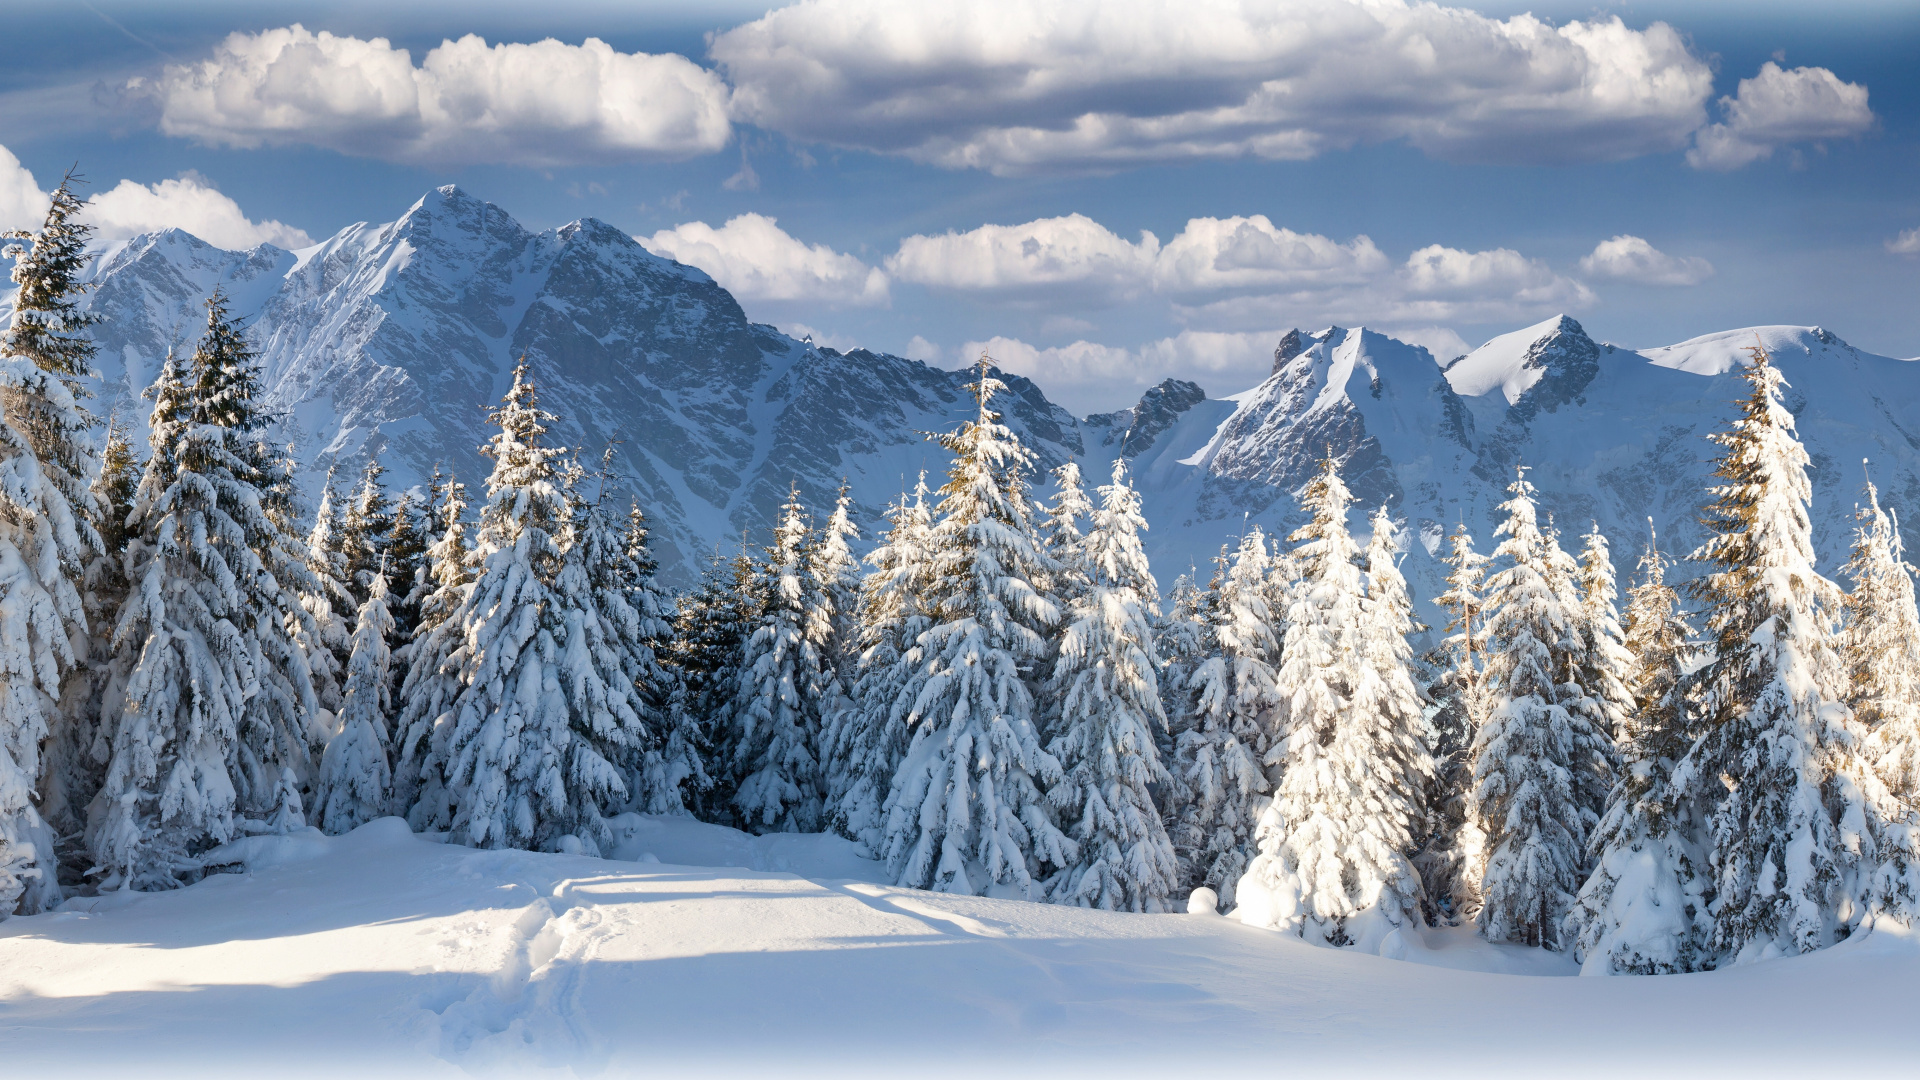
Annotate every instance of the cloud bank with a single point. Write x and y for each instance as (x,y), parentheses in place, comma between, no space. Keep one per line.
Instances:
(1778,107)
(189,203)
(1629,258)
(753,258)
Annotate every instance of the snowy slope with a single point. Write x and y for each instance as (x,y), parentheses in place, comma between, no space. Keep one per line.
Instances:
(383,954)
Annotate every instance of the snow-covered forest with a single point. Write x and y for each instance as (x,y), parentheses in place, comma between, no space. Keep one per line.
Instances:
(998,699)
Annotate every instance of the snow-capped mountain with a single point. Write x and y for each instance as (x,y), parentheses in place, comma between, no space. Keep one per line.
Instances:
(399,337)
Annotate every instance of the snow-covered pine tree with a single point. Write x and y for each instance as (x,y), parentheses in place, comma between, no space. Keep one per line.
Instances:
(868,737)
(219,699)
(1229,719)
(355,784)
(331,605)
(710,626)
(1108,690)
(1881,650)
(1180,636)
(531,757)
(1455,856)
(1336,843)
(365,525)
(435,656)
(834,575)
(967,808)
(1643,910)
(1063,534)
(405,555)
(776,712)
(672,770)
(47,535)
(1538,751)
(1783,825)
(1604,662)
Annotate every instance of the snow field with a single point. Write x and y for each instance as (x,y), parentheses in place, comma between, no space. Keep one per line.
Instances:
(382,953)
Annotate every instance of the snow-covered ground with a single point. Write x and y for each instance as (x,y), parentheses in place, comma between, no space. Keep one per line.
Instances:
(383,953)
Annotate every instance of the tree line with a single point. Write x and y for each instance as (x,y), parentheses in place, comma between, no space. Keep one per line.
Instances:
(996,699)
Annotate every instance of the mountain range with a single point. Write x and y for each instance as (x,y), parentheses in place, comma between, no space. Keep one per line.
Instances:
(396,339)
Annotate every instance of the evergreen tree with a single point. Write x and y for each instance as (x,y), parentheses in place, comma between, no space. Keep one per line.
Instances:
(1063,536)
(1335,845)
(967,808)
(776,713)
(1538,751)
(672,769)
(1783,822)
(1229,720)
(365,525)
(869,735)
(435,657)
(1105,680)
(1643,910)
(1603,665)
(219,699)
(355,776)
(330,605)
(1455,857)
(535,738)
(47,534)
(834,575)
(406,562)
(710,627)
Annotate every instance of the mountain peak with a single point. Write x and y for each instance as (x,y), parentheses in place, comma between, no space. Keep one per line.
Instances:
(1289,347)
(1514,363)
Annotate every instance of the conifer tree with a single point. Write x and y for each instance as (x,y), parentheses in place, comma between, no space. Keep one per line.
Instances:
(1229,720)
(1782,823)
(868,737)
(47,535)
(435,657)
(219,699)
(405,554)
(1106,682)
(355,773)
(967,808)
(834,575)
(1643,910)
(672,770)
(1603,665)
(364,527)
(531,758)
(1454,859)
(1336,843)
(1063,535)
(1538,751)
(776,713)
(710,626)
(330,605)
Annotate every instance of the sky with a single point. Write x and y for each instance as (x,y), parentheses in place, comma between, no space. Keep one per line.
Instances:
(1101,195)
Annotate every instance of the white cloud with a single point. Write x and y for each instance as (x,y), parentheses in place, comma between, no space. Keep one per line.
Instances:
(919,348)
(1629,258)
(22,204)
(755,259)
(1215,254)
(1065,256)
(190,204)
(1089,377)
(1011,87)
(545,103)
(1907,243)
(1779,106)
(1449,284)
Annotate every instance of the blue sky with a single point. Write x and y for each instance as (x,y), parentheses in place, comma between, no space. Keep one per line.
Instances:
(930,180)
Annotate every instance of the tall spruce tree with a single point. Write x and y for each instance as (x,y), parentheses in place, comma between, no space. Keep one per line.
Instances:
(1604,662)
(1228,722)
(47,533)
(219,699)
(330,604)
(967,807)
(435,657)
(1455,856)
(355,783)
(1782,822)
(710,626)
(776,712)
(1538,752)
(1643,910)
(1105,680)
(834,572)
(672,770)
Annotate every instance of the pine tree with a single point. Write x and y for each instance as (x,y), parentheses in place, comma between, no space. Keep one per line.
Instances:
(776,713)
(834,575)
(1062,533)
(1881,650)
(868,736)
(710,626)
(330,605)
(1455,857)
(1106,683)
(1228,722)
(355,774)
(1335,844)
(1643,910)
(363,529)
(672,770)
(219,699)
(405,552)
(967,808)
(1782,825)
(434,657)
(1538,752)
(531,758)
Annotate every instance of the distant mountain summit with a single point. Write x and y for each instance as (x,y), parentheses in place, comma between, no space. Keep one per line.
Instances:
(399,337)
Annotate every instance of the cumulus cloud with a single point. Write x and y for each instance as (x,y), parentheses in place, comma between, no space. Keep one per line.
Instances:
(1629,258)
(1907,243)
(188,203)
(1449,284)
(755,259)
(1089,377)
(1214,254)
(1777,107)
(1063,256)
(1012,87)
(545,103)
